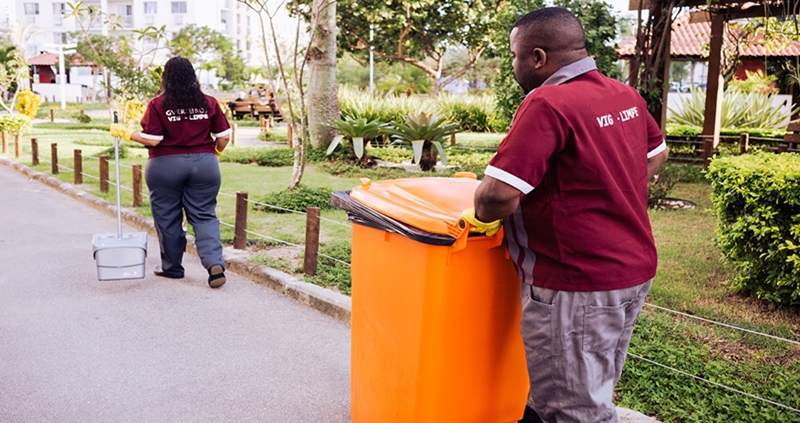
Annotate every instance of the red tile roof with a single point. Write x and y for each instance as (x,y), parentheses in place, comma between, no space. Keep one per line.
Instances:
(44,59)
(688,40)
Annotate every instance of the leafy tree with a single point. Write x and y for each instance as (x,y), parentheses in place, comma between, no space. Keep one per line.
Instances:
(205,45)
(598,21)
(13,69)
(137,79)
(418,32)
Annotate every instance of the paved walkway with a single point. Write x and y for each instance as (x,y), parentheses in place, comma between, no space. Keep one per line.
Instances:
(75,349)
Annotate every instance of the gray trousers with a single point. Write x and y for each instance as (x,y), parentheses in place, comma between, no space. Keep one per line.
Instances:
(178,183)
(576,343)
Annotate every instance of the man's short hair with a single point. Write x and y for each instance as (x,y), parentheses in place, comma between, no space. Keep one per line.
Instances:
(553,29)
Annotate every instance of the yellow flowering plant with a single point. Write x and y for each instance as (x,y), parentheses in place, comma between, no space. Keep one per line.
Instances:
(28,102)
(134,110)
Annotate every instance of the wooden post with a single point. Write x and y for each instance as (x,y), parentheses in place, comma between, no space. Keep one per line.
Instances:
(312,241)
(78,167)
(233,133)
(744,142)
(35,151)
(452,139)
(54,158)
(104,172)
(137,185)
(289,138)
(782,148)
(51,115)
(708,151)
(18,145)
(5,142)
(715,85)
(240,224)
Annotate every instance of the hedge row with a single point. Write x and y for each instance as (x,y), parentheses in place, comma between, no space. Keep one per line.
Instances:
(757,203)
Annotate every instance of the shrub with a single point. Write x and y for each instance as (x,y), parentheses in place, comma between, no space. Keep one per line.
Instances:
(757,205)
(662,183)
(270,157)
(28,103)
(355,104)
(298,199)
(273,135)
(470,113)
(689,131)
(123,151)
(83,118)
(16,124)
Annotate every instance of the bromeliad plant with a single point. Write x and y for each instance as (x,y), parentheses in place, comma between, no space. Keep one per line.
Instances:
(739,110)
(422,132)
(359,132)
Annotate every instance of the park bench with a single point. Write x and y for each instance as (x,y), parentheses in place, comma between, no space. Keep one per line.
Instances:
(240,109)
(264,110)
(790,140)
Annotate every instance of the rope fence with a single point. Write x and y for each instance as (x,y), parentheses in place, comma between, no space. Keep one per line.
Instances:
(717,384)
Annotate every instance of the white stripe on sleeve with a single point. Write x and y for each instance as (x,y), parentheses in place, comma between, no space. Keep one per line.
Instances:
(661,147)
(151,137)
(223,133)
(508,178)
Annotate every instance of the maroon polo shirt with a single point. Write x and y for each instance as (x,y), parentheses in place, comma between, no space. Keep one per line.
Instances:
(183,130)
(578,151)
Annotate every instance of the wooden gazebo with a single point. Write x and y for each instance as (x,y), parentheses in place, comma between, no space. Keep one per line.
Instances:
(653,47)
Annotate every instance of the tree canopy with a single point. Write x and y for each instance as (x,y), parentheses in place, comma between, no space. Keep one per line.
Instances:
(598,21)
(418,32)
(203,45)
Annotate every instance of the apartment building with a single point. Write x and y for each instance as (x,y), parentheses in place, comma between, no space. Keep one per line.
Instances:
(229,17)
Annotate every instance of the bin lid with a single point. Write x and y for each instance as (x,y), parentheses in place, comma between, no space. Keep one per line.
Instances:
(432,204)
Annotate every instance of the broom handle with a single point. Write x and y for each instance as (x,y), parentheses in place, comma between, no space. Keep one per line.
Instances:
(119,201)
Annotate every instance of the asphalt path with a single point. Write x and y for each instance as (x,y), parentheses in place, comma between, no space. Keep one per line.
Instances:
(75,349)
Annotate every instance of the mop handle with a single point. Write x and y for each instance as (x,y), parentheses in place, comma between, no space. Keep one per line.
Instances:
(119,201)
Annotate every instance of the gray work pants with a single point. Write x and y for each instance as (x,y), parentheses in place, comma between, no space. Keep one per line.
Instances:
(576,343)
(178,183)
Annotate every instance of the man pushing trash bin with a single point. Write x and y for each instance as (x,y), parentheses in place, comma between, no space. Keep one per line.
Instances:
(570,183)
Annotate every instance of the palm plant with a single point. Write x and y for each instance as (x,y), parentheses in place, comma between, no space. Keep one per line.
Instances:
(422,131)
(359,132)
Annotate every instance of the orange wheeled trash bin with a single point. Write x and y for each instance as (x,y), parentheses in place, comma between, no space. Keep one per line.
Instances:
(435,312)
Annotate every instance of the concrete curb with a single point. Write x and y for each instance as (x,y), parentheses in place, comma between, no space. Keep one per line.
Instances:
(325,301)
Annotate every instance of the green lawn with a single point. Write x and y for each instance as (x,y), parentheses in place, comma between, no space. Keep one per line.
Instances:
(691,278)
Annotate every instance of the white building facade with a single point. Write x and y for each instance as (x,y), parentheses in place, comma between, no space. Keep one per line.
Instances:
(230,17)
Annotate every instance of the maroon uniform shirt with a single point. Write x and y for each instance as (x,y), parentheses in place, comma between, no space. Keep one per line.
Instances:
(578,151)
(183,130)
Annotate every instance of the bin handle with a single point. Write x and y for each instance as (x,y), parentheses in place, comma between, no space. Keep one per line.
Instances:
(460,244)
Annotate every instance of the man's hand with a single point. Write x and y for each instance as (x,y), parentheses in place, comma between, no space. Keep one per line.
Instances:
(122,131)
(478,226)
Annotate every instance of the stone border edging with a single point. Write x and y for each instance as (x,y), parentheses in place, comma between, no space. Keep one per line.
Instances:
(335,305)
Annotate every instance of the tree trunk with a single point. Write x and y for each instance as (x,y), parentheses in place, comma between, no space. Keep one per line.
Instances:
(323,102)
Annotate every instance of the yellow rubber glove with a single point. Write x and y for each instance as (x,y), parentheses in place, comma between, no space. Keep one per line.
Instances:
(122,131)
(478,226)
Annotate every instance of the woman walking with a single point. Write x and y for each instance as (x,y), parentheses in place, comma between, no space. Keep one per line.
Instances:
(185,131)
